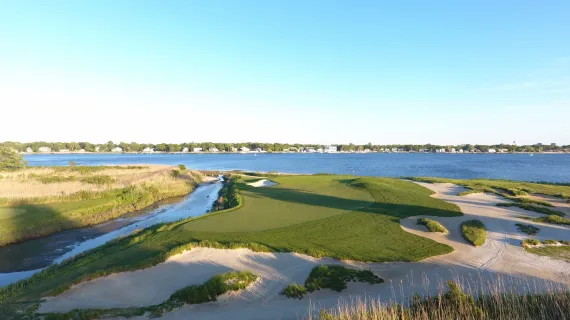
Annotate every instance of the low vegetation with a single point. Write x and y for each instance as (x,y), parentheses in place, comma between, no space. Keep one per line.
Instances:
(531,207)
(228,196)
(330,277)
(552,219)
(10,159)
(195,294)
(432,225)
(527,228)
(474,231)
(100,197)
(458,303)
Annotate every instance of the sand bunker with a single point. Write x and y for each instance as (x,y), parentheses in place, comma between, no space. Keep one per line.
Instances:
(501,257)
(262,183)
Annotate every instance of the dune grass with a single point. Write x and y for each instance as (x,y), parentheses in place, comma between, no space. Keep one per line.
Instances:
(474,231)
(344,217)
(531,207)
(458,303)
(504,187)
(432,225)
(556,249)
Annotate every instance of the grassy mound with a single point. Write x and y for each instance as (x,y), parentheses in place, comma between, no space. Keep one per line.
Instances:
(432,225)
(531,207)
(552,219)
(527,228)
(330,277)
(474,231)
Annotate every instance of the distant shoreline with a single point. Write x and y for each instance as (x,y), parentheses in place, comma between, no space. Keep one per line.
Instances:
(280,152)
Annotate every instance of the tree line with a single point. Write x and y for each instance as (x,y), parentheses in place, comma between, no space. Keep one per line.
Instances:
(270,147)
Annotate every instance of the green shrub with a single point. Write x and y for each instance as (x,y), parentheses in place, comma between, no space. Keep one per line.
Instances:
(11,160)
(474,231)
(530,242)
(432,225)
(528,229)
(295,291)
(336,277)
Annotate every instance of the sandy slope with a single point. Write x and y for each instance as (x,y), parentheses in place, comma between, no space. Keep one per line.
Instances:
(500,259)
(262,183)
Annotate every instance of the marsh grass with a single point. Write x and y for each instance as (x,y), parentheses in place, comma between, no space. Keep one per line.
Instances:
(102,197)
(474,231)
(432,225)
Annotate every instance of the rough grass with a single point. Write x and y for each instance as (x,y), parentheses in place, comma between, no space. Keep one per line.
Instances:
(556,249)
(27,218)
(474,231)
(528,229)
(195,294)
(343,217)
(432,225)
(552,219)
(294,291)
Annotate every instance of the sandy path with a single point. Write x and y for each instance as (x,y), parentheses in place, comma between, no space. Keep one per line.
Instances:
(262,183)
(501,257)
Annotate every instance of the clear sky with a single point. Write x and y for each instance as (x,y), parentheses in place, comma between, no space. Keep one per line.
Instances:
(441,72)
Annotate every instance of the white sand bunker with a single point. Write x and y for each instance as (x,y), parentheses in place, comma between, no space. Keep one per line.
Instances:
(262,183)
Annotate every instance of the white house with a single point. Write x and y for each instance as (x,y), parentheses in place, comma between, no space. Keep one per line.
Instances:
(259,150)
(64,151)
(213,149)
(185,149)
(29,150)
(330,149)
(234,149)
(196,150)
(44,149)
(492,151)
(244,149)
(117,149)
(453,150)
(148,150)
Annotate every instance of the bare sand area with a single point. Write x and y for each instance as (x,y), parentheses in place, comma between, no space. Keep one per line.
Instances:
(500,262)
(262,183)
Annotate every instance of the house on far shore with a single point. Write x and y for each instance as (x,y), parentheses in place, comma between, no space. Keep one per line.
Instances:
(44,149)
(196,150)
(185,149)
(258,150)
(29,150)
(148,150)
(214,149)
(117,149)
(330,149)
(492,151)
(244,149)
(64,151)
(234,149)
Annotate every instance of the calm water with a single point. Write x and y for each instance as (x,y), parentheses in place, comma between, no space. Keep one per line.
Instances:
(540,167)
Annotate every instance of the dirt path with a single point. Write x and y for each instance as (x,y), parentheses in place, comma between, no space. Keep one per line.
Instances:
(499,260)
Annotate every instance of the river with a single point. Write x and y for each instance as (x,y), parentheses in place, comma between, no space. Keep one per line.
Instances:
(22,260)
(538,167)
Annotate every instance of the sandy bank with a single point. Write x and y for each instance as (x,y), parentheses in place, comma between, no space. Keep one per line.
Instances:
(262,183)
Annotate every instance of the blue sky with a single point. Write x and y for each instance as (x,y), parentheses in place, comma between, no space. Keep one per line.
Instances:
(443,72)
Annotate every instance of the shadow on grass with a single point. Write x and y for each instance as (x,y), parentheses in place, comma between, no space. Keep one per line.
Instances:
(393,209)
